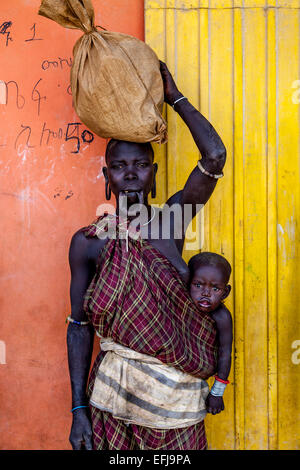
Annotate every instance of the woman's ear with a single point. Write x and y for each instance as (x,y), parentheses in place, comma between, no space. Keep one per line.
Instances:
(107,187)
(226,291)
(153,189)
(104,171)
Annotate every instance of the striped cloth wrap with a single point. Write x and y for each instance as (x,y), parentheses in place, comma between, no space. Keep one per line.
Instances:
(140,389)
(138,300)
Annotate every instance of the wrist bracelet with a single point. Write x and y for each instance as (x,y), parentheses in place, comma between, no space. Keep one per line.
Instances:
(207,173)
(77,407)
(218,388)
(226,382)
(179,99)
(79,323)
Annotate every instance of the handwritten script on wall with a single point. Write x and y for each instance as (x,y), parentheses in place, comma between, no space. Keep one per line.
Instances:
(39,133)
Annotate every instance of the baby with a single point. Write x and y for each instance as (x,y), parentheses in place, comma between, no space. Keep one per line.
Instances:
(209,276)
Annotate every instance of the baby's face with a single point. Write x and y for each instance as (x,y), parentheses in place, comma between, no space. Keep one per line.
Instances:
(208,288)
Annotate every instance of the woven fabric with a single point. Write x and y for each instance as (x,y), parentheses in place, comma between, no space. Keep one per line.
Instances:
(138,299)
(116,83)
(112,434)
(140,389)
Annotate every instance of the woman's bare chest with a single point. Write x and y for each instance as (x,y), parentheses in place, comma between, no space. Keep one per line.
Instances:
(166,246)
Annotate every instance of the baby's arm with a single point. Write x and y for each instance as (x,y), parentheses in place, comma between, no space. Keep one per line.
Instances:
(223,321)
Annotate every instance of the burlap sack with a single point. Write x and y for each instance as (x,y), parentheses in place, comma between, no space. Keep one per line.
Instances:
(115,78)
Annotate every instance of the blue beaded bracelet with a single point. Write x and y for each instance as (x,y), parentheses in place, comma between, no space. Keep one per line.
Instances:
(76,407)
(79,323)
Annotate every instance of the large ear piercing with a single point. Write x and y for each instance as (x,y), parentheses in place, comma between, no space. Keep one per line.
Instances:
(107,191)
(153,190)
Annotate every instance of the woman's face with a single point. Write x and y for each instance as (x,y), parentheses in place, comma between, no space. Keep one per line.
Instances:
(130,171)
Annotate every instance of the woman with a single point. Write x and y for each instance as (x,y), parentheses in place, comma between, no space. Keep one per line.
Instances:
(130,173)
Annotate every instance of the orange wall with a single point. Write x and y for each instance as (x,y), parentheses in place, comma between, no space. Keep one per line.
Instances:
(46,194)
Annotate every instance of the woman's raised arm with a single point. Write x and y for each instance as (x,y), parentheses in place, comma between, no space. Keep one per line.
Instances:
(199,185)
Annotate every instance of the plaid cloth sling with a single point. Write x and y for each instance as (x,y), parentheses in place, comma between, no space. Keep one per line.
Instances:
(138,299)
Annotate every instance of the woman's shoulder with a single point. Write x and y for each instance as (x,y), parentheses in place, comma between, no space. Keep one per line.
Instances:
(92,230)
(86,236)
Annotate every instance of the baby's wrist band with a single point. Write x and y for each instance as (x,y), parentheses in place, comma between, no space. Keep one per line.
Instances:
(226,382)
(218,388)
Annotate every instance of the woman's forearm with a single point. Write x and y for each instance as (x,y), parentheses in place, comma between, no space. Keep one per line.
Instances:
(208,141)
(205,136)
(80,347)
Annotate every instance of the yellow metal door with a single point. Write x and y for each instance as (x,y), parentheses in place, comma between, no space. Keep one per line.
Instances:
(238,63)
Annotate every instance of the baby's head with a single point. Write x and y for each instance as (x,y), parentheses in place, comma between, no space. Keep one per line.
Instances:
(209,276)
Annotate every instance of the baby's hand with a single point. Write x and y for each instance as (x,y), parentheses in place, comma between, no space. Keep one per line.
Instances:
(214,405)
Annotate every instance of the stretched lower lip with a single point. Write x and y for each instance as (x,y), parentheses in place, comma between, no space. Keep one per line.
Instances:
(130,191)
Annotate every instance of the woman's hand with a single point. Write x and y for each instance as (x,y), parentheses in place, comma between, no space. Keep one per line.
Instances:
(81,431)
(170,89)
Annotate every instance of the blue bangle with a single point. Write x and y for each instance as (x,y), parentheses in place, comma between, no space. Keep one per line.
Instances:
(69,319)
(76,407)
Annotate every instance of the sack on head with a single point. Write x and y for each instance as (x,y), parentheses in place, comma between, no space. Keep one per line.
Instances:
(115,78)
